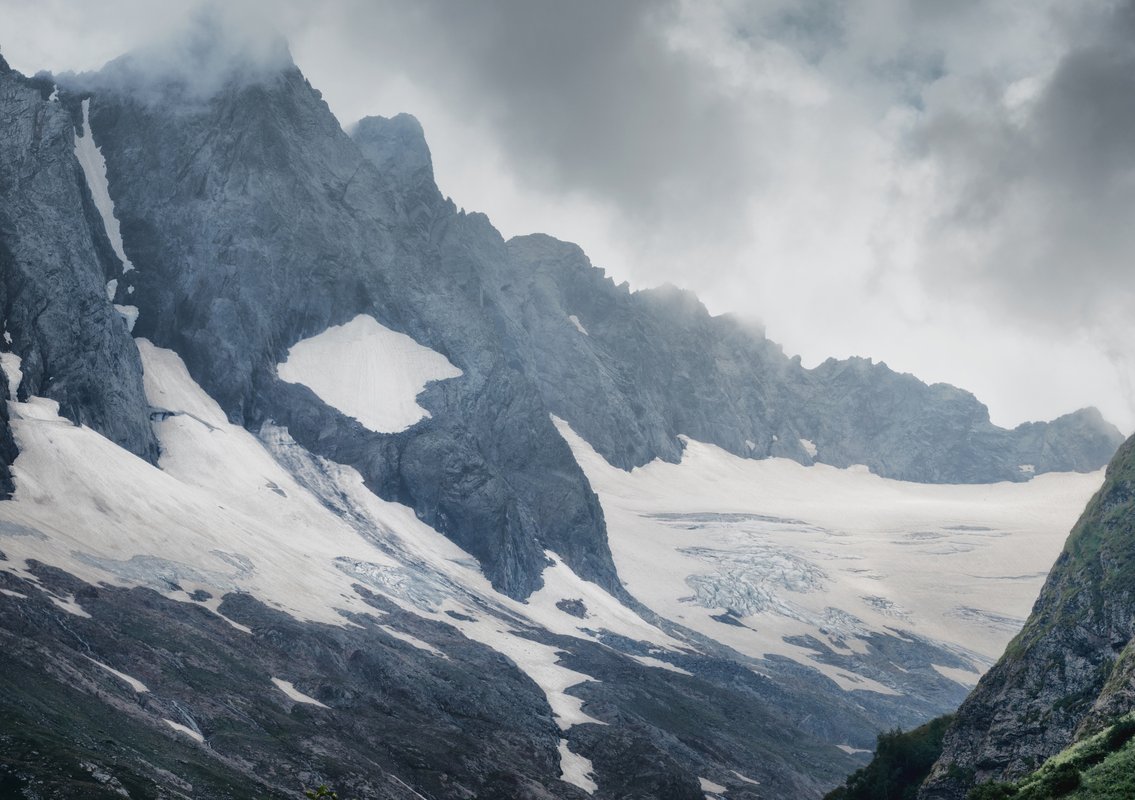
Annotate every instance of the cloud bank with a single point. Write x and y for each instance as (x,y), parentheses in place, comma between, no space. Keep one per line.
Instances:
(943,186)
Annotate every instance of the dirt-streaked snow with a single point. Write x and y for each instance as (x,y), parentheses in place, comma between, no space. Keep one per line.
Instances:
(368,372)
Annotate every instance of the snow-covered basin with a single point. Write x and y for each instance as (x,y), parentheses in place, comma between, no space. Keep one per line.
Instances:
(831,552)
(222,513)
(368,372)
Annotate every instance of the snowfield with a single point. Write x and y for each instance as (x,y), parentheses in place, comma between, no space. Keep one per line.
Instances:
(368,372)
(749,552)
(745,552)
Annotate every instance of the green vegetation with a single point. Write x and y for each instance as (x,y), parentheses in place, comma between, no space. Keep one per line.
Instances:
(1101,767)
(901,762)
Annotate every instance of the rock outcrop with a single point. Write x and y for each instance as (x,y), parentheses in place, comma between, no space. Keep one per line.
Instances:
(55,261)
(1069,672)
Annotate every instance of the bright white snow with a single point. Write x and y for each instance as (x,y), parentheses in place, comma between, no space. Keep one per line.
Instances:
(295,694)
(133,683)
(809,447)
(368,372)
(831,553)
(12,368)
(228,511)
(129,315)
(710,788)
(576,770)
(94,168)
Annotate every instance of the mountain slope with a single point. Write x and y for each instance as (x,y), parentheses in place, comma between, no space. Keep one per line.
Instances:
(1068,672)
(307,229)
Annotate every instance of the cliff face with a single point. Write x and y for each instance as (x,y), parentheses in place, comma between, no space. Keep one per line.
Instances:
(1069,672)
(55,261)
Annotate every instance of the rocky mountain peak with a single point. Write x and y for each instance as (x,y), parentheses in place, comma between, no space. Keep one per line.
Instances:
(397,146)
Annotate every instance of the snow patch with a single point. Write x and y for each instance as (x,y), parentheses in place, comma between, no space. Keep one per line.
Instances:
(11,593)
(177,726)
(129,315)
(604,611)
(576,770)
(69,605)
(539,661)
(749,443)
(368,372)
(809,447)
(94,168)
(851,750)
(412,640)
(1027,469)
(648,661)
(111,288)
(578,325)
(12,365)
(213,604)
(295,694)
(710,788)
(133,683)
(745,778)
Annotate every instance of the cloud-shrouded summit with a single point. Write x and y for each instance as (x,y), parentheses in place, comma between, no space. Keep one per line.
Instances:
(942,187)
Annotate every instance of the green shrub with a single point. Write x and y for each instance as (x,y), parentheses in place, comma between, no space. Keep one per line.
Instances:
(1062,780)
(901,762)
(992,791)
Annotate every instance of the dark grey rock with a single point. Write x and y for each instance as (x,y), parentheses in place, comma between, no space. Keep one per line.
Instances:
(55,261)
(1068,672)
(398,720)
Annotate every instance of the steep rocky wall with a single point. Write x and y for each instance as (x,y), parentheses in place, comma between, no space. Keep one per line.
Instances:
(1063,674)
(55,261)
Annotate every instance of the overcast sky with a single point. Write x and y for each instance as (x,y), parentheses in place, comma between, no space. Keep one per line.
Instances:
(947,187)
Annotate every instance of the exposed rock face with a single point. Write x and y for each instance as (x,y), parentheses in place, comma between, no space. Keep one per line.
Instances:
(303,232)
(55,261)
(395,722)
(1069,672)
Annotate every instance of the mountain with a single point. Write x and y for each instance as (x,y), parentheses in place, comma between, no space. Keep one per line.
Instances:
(1068,674)
(1054,716)
(315,478)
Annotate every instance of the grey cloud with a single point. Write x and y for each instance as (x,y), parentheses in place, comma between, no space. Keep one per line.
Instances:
(214,46)
(1044,197)
(583,96)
